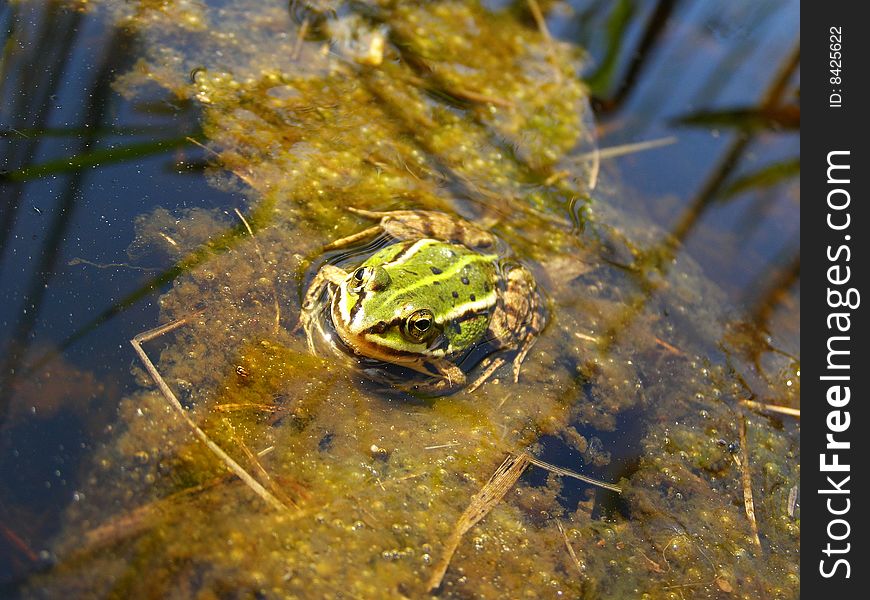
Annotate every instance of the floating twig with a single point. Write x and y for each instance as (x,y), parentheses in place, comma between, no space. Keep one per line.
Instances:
(481,504)
(669,347)
(585,337)
(439,446)
(170,397)
(772,408)
(746,478)
(595,170)
(625,149)
(19,543)
(568,473)
(792,500)
(258,466)
(541,22)
(535,9)
(570,549)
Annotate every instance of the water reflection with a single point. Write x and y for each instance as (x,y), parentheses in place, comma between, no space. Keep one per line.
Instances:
(63,130)
(757,171)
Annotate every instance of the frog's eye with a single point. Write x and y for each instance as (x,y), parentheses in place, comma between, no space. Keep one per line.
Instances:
(419,324)
(358,279)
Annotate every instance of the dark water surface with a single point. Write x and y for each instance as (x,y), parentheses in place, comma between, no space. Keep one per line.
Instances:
(130,132)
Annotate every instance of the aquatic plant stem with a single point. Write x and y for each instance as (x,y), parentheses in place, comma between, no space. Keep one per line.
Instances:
(746,478)
(772,408)
(232,465)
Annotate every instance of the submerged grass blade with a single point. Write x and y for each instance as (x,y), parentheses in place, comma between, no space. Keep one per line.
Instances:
(772,408)
(765,177)
(94,158)
(620,19)
(746,119)
(568,473)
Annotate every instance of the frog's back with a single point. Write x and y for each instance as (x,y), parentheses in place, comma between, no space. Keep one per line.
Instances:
(441,276)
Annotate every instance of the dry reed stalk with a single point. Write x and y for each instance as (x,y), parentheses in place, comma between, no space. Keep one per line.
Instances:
(772,408)
(502,480)
(746,478)
(173,401)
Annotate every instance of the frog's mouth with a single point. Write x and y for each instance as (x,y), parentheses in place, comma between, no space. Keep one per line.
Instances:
(398,368)
(371,343)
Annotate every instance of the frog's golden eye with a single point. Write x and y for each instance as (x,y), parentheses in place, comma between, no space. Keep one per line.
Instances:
(419,324)
(358,279)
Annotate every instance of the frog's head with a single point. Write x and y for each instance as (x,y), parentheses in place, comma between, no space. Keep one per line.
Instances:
(415,300)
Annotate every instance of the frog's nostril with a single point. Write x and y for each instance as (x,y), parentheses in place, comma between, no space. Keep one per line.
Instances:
(378,327)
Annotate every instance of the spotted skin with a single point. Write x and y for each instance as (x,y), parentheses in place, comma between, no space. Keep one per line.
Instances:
(442,273)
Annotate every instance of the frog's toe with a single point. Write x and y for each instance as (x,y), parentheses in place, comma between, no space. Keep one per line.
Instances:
(518,362)
(488,369)
(530,340)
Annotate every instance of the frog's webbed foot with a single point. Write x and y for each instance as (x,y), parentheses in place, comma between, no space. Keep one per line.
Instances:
(448,376)
(419,224)
(491,365)
(528,341)
(328,274)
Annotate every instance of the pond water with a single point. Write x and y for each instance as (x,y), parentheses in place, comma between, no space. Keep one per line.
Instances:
(189,160)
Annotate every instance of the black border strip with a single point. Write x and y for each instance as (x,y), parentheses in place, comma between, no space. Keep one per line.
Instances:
(835,132)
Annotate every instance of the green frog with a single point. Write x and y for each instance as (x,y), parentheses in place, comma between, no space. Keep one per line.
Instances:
(428,301)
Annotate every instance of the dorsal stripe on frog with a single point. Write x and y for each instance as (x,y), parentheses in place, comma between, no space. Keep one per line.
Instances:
(444,275)
(406,251)
(409,251)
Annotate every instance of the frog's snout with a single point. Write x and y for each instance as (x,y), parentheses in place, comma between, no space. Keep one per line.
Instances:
(379,280)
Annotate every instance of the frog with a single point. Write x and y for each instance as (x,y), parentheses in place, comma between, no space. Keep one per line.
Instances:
(440,289)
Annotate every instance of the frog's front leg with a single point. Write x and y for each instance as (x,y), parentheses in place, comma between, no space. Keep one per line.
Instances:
(328,274)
